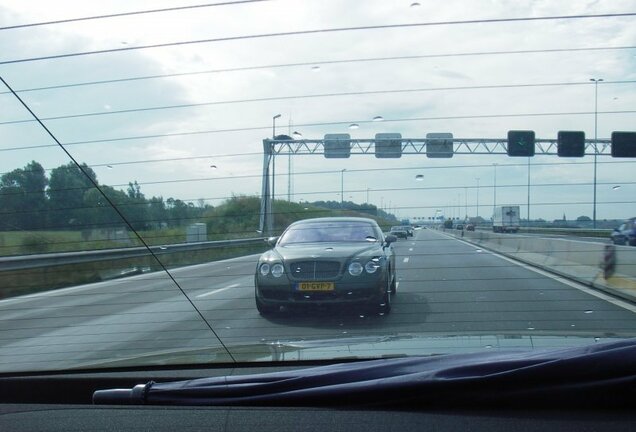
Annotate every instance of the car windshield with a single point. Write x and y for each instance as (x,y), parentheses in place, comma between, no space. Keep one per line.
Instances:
(202,183)
(337,232)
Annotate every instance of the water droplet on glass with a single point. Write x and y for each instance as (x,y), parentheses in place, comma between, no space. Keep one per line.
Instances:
(415,4)
(109,166)
(478,250)
(530,328)
(572,325)
(107,107)
(315,68)
(361,316)
(419,177)
(378,118)
(616,187)
(354,126)
(589,311)
(596,339)
(297,135)
(488,346)
(163,247)
(344,332)
(213,166)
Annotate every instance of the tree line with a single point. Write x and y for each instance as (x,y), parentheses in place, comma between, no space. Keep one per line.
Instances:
(67,199)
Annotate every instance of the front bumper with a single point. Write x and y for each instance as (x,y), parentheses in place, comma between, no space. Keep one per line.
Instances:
(366,289)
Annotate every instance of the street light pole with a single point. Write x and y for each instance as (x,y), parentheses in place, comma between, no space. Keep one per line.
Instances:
(595,81)
(477,196)
(528,191)
(277,116)
(274,157)
(465,203)
(494,205)
(342,187)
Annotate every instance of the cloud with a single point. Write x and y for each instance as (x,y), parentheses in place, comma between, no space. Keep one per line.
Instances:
(364,171)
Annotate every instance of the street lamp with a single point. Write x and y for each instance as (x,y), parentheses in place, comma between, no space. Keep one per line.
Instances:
(342,171)
(465,203)
(477,178)
(274,157)
(277,116)
(290,173)
(595,81)
(528,191)
(494,190)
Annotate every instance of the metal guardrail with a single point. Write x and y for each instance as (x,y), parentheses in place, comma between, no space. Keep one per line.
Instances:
(64,258)
(578,232)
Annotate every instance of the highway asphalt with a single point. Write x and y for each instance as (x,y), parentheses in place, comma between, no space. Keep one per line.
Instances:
(446,287)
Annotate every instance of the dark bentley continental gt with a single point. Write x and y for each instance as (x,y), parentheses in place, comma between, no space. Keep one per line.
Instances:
(324,261)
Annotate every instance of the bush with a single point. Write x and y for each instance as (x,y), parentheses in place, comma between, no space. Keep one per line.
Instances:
(35,244)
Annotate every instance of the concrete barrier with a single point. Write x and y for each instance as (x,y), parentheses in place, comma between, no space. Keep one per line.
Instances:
(579,260)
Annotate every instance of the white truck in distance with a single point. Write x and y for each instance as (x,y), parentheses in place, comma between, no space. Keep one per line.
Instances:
(506,219)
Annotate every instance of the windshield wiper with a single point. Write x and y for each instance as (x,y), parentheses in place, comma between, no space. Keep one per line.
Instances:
(599,375)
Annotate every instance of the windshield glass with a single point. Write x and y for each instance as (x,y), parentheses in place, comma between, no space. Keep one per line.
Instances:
(151,153)
(329,232)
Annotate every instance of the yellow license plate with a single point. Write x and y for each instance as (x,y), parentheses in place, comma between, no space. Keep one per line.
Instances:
(315,286)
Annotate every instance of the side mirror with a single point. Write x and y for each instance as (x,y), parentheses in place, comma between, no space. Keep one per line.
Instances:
(390,239)
(272,241)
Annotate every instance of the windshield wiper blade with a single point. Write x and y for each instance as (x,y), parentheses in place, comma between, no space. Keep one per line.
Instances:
(599,375)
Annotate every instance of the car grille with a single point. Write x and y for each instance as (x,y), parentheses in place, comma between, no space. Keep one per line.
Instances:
(314,270)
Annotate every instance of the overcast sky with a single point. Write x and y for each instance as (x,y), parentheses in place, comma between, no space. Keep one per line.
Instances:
(558,186)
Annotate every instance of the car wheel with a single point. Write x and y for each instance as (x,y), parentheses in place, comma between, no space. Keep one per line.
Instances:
(393,286)
(385,304)
(264,309)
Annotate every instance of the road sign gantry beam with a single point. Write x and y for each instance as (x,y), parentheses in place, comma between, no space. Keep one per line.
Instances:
(409,146)
(418,146)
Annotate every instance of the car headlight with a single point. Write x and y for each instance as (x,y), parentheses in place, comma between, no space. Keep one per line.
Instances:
(277,270)
(372,266)
(355,268)
(264,269)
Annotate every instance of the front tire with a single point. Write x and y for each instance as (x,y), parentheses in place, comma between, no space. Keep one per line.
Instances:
(385,305)
(393,286)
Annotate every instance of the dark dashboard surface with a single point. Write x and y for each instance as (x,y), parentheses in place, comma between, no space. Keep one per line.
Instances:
(26,417)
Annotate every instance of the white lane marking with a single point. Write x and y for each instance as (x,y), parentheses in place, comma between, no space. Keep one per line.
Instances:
(406,259)
(218,290)
(563,280)
(160,276)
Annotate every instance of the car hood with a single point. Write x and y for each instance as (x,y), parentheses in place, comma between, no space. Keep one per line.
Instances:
(349,348)
(325,250)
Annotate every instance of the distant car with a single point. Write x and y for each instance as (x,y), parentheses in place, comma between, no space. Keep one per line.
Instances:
(409,230)
(459,227)
(399,231)
(625,234)
(327,261)
(470,227)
